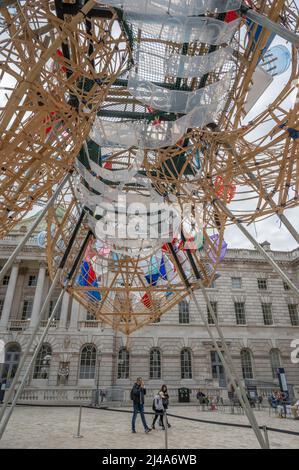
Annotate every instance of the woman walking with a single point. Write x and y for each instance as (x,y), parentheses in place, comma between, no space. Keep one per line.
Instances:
(165,401)
(158,409)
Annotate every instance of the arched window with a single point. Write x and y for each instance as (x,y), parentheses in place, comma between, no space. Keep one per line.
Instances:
(88,362)
(186,364)
(155,364)
(275,361)
(123,364)
(43,362)
(12,358)
(246,364)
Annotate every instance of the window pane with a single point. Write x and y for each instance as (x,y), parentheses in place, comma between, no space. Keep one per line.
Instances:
(27,309)
(262,284)
(32,281)
(236,283)
(186,365)
(88,362)
(246,364)
(123,364)
(267,314)
(43,362)
(293,312)
(183,312)
(90,316)
(5,281)
(240,313)
(286,286)
(155,364)
(214,307)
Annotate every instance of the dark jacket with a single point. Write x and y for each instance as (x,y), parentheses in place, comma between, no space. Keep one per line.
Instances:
(165,400)
(137,394)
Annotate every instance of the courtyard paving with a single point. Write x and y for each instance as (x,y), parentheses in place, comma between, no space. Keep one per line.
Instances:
(54,428)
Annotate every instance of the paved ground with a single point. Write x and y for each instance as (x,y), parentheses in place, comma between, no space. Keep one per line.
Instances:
(54,427)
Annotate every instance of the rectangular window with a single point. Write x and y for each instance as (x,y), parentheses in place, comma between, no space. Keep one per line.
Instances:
(240,313)
(217,367)
(184,312)
(267,314)
(293,312)
(262,284)
(5,280)
(32,281)
(210,318)
(1,306)
(27,309)
(51,307)
(286,286)
(90,316)
(236,282)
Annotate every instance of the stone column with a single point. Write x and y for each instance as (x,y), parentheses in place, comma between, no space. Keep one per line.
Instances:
(74,315)
(10,292)
(38,295)
(64,310)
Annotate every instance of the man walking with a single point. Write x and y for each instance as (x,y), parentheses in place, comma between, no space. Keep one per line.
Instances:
(137,396)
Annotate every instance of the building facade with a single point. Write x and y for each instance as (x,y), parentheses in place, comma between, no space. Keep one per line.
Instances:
(257,312)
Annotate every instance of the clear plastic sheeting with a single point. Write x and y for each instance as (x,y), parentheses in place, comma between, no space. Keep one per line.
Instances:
(184,66)
(93,200)
(175,7)
(176,101)
(124,175)
(186,29)
(148,136)
(112,193)
(115,134)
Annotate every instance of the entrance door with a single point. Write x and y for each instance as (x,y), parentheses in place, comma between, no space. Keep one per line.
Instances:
(218,369)
(12,358)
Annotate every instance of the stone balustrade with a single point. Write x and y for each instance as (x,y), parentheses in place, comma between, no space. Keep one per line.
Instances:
(18,325)
(89,324)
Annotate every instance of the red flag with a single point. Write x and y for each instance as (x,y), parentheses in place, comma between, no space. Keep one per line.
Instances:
(91,275)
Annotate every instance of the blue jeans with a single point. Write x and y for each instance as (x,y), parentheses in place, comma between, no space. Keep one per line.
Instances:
(138,408)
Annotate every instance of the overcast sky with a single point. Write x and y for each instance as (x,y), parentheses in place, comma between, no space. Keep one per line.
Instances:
(271,230)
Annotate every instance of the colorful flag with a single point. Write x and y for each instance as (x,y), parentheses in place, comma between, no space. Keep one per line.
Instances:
(86,278)
(146,300)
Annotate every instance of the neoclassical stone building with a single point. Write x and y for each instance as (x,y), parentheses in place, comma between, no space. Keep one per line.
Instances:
(257,312)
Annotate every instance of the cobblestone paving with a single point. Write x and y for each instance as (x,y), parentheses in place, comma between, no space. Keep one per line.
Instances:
(54,427)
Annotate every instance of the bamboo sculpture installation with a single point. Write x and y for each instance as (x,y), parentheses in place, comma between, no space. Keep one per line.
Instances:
(148,103)
(160,112)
